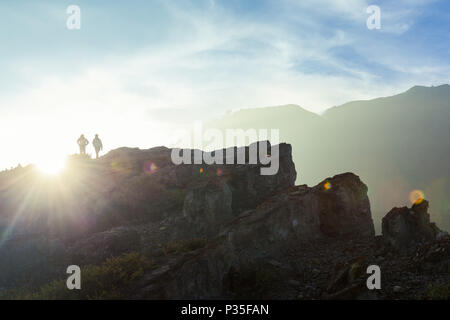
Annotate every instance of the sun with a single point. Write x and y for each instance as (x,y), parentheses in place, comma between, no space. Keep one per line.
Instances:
(51,166)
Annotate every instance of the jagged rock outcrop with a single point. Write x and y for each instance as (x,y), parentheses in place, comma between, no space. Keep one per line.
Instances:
(404,227)
(295,216)
(344,207)
(303,214)
(222,192)
(250,187)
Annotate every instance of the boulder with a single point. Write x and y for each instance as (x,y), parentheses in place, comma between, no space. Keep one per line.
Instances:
(344,207)
(404,227)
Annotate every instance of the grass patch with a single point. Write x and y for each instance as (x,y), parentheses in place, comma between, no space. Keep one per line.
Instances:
(438,292)
(110,280)
(183,246)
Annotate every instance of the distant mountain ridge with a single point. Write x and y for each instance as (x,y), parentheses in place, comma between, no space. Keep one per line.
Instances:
(397,144)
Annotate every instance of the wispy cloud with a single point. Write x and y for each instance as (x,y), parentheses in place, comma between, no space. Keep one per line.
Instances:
(198,59)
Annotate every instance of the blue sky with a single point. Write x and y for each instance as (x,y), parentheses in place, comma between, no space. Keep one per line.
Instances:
(137,69)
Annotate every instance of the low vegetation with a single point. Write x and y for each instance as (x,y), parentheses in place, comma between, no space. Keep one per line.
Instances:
(438,292)
(183,246)
(109,280)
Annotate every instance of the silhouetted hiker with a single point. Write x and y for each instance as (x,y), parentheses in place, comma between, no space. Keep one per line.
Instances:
(98,145)
(82,143)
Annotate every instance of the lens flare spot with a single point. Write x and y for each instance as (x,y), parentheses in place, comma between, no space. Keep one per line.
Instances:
(327,185)
(150,167)
(416,196)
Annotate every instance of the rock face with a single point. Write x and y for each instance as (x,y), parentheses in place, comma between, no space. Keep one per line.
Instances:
(304,214)
(404,227)
(225,191)
(211,231)
(337,207)
(250,187)
(26,255)
(103,245)
(293,217)
(206,207)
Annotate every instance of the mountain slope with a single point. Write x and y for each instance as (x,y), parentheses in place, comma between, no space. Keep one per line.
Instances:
(141,227)
(396,144)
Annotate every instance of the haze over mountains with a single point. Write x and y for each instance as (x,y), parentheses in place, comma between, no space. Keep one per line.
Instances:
(141,227)
(396,144)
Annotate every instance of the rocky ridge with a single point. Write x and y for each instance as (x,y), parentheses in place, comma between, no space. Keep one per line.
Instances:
(220,231)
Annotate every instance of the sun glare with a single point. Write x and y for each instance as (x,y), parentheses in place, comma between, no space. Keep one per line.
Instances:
(51,166)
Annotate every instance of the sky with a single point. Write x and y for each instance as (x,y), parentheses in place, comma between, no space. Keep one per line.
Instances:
(138,70)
